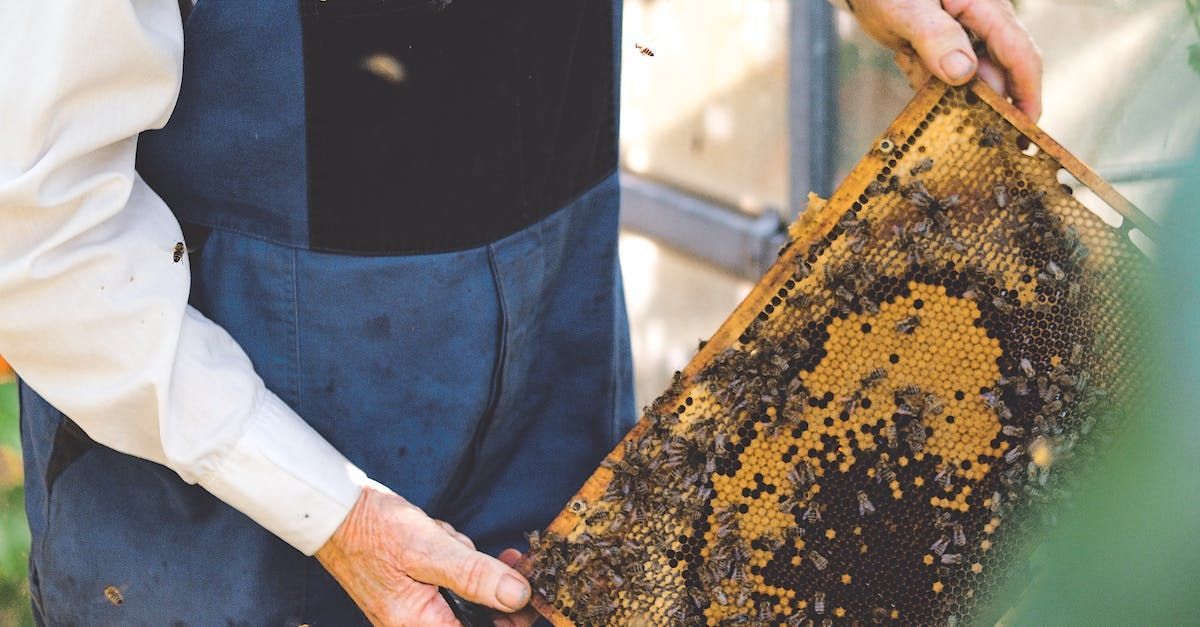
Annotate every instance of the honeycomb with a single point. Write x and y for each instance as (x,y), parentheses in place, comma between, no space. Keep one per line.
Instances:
(876,432)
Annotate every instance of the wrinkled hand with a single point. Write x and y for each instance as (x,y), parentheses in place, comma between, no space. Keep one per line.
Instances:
(391,557)
(928,36)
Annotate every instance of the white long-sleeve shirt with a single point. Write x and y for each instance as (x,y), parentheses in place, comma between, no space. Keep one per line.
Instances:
(93,305)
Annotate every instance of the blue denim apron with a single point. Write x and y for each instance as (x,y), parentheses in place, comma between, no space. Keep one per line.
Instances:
(483,382)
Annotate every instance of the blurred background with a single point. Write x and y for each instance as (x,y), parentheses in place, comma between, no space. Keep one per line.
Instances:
(746,105)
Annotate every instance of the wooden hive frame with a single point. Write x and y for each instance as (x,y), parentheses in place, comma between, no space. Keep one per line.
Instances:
(812,226)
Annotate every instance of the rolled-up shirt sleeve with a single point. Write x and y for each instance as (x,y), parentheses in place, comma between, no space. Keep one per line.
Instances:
(93,301)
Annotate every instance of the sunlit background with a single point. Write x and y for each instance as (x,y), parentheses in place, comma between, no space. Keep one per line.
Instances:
(707,115)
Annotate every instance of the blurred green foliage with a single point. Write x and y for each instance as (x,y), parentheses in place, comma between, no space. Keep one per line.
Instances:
(1128,552)
(14,535)
(1194,49)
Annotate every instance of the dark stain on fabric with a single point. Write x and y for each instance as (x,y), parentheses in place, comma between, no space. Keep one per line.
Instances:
(378,327)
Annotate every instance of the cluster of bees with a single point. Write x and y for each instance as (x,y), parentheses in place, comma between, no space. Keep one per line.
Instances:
(878,430)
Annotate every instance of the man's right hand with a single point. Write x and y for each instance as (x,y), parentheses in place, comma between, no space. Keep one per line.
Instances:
(391,557)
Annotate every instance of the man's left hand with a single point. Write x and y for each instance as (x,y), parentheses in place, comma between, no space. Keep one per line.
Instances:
(929,36)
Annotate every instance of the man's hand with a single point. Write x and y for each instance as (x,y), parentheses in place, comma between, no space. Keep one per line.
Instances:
(928,36)
(391,558)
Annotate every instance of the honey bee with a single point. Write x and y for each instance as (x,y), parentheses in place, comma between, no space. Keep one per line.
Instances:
(1000,194)
(960,535)
(940,545)
(819,602)
(113,595)
(819,561)
(990,137)
(908,324)
(864,504)
(179,251)
(923,166)
(872,378)
(644,50)
(951,558)
(1013,431)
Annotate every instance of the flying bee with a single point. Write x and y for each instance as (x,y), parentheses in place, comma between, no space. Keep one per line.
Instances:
(644,50)
(114,595)
(177,255)
(908,324)
(864,504)
(923,166)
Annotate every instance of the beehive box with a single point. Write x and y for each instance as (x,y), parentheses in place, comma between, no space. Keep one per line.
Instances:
(874,433)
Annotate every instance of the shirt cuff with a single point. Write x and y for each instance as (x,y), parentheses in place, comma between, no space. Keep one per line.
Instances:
(287,478)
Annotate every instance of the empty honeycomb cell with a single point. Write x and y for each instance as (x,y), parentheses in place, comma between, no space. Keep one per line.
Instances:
(876,433)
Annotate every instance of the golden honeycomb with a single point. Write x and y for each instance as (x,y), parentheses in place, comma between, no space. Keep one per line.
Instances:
(876,430)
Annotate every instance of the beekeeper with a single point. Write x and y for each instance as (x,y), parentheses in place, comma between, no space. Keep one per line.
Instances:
(331,278)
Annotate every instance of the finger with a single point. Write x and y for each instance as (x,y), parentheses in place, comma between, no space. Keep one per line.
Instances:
(524,618)
(939,40)
(435,557)
(995,22)
(413,603)
(457,535)
(911,67)
(993,75)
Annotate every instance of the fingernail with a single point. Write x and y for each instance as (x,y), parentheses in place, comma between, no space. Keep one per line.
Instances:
(512,592)
(957,65)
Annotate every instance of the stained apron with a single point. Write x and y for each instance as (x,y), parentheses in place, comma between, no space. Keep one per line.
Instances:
(483,385)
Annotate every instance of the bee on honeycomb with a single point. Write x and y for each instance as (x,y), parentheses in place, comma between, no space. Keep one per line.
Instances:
(875,433)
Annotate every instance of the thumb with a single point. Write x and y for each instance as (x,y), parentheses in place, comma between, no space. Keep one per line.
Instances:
(477,577)
(939,40)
